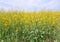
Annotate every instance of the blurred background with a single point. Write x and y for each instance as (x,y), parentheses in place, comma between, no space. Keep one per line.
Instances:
(30,5)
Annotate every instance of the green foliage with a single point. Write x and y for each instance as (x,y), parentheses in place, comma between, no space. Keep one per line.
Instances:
(15,27)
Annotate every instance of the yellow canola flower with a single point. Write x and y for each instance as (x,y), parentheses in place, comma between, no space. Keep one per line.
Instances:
(23,18)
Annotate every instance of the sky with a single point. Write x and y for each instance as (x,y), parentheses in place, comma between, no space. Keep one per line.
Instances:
(29,5)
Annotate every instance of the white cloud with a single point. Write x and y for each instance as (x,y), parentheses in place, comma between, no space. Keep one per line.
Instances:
(49,5)
(31,4)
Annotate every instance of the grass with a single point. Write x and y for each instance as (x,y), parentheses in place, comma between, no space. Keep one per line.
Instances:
(30,26)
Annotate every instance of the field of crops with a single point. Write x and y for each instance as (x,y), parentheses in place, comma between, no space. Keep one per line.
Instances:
(29,26)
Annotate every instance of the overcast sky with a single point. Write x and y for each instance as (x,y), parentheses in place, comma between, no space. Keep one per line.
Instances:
(30,4)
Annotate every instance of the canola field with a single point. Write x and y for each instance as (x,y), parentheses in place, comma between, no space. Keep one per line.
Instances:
(30,26)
